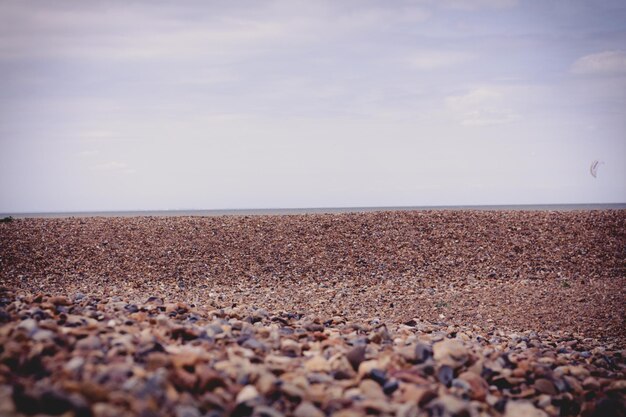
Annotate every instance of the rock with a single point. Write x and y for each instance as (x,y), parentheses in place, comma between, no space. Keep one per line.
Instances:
(186,411)
(341,368)
(591,383)
(248,393)
(545,386)
(347,412)
(371,389)
(290,347)
(414,394)
(478,386)
(43,335)
(317,364)
(355,356)
(265,411)
(445,375)
(307,409)
(74,364)
(578,371)
(292,391)
(422,352)
(28,325)
(89,343)
(447,405)
(618,386)
(254,344)
(59,301)
(266,383)
(377,406)
(390,387)
(100,358)
(523,409)
(407,353)
(378,375)
(450,352)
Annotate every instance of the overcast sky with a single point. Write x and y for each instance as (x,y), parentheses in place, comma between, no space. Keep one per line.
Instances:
(262,104)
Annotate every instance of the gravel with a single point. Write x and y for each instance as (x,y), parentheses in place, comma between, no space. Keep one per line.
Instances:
(443,313)
(97,357)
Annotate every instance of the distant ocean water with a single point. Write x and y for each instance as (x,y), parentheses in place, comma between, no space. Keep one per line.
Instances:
(284,211)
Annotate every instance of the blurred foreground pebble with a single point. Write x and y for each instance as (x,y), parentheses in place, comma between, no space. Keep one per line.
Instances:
(86,356)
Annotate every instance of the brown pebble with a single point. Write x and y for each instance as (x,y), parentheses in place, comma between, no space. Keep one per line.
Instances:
(355,356)
(478,386)
(59,300)
(545,386)
(307,409)
(450,352)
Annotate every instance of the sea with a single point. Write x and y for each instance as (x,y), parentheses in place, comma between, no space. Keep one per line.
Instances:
(314,210)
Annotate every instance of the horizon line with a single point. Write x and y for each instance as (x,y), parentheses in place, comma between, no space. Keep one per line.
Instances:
(181,212)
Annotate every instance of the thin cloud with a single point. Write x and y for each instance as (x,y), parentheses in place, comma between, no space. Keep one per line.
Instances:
(114,167)
(483,106)
(478,4)
(601,63)
(88,153)
(434,60)
(123,33)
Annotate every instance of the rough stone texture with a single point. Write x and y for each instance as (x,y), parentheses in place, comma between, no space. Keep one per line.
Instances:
(99,358)
(517,269)
(410,314)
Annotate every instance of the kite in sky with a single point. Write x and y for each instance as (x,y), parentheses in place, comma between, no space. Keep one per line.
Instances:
(594,168)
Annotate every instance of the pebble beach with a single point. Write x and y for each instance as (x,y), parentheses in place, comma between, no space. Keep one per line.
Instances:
(404,313)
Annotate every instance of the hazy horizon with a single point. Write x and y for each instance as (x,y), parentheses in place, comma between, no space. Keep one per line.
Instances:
(115,106)
(312,210)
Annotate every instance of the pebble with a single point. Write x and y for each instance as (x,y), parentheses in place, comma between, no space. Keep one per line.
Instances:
(545,386)
(523,409)
(307,409)
(261,366)
(445,374)
(450,352)
(477,385)
(248,393)
(317,364)
(355,356)
(371,389)
(422,352)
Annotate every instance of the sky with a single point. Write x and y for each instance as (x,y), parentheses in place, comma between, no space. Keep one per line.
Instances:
(155,105)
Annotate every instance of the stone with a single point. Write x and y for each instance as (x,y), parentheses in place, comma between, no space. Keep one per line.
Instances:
(523,409)
(478,386)
(422,352)
(450,352)
(290,347)
(366,367)
(545,386)
(390,387)
(414,394)
(59,300)
(317,364)
(186,411)
(371,389)
(29,325)
(378,375)
(445,375)
(592,384)
(307,409)
(355,356)
(89,343)
(265,411)
(447,405)
(247,393)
